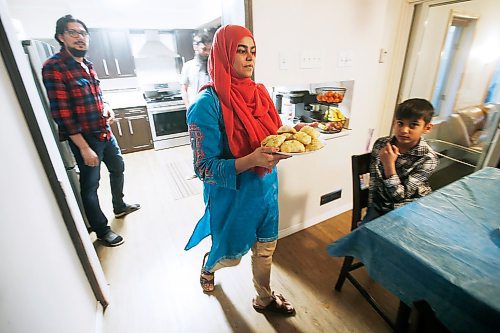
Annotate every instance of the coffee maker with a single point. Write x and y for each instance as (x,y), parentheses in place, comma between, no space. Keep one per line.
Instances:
(293,105)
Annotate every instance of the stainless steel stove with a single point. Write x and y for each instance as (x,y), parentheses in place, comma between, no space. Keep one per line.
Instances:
(167,115)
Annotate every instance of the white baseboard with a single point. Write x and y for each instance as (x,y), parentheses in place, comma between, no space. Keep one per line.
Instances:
(317,219)
(99,318)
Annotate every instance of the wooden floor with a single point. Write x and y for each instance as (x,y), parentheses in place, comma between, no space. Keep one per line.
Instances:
(154,282)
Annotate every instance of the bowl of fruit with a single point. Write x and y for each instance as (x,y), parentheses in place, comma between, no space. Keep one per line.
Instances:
(332,95)
(333,121)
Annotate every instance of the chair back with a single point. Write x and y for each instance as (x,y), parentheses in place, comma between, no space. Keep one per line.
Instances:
(360,166)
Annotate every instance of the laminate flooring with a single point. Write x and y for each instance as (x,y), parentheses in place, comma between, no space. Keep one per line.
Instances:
(154,282)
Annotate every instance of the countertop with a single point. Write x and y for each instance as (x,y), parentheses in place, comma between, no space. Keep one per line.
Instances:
(124,98)
(344,132)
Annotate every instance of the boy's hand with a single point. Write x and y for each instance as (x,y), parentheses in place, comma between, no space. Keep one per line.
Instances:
(388,156)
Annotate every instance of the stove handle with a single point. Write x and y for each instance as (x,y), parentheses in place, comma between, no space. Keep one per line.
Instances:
(118,67)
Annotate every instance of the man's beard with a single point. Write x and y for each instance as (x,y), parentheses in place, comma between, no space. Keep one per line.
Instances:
(201,58)
(203,61)
(77,53)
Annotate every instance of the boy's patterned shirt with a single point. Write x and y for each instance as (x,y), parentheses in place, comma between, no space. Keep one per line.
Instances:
(411,181)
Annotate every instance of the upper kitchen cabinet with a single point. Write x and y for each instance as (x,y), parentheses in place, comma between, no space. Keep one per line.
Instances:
(111,54)
(184,41)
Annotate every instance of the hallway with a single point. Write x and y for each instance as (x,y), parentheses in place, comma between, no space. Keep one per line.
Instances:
(154,282)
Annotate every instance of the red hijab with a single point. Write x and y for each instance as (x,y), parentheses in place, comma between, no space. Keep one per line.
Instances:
(247,109)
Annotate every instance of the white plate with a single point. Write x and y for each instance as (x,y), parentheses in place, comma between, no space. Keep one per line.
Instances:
(295,154)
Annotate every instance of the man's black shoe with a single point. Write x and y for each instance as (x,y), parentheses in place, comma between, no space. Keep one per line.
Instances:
(111,239)
(127,210)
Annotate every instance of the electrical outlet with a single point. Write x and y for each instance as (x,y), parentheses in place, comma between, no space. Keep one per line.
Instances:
(326,198)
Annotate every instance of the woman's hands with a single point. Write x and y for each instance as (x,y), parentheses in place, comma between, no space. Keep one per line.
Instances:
(260,157)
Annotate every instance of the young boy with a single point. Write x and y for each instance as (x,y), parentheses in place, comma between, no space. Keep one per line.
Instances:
(402,164)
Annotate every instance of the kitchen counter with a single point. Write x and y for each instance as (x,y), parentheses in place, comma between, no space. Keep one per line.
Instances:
(121,99)
(343,132)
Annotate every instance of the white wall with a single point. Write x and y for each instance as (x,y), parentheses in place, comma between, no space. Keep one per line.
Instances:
(329,29)
(43,286)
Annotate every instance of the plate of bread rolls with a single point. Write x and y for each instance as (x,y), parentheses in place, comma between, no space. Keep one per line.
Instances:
(292,142)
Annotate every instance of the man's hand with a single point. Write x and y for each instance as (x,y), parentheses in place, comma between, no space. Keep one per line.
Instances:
(109,114)
(388,156)
(90,158)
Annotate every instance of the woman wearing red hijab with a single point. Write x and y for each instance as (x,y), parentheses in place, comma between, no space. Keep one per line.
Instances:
(230,118)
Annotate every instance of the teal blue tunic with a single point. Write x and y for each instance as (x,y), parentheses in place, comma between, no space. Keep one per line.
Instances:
(239,209)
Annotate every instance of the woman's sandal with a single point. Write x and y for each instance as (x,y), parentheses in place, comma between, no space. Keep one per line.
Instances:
(207,284)
(282,307)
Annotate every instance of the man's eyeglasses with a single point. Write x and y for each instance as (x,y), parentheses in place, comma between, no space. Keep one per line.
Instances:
(75,34)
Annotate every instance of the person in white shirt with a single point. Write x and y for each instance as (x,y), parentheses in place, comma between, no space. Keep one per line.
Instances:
(194,73)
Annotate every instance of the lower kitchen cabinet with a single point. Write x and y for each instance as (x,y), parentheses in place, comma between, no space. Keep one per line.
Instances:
(131,129)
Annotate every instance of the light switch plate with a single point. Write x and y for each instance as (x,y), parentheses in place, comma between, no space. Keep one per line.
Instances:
(345,58)
(311,59)
(283,58)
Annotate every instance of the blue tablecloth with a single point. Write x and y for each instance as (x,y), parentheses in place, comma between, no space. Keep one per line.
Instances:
(443,248)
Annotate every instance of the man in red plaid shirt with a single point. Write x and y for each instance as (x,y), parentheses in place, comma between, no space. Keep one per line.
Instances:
(82,117)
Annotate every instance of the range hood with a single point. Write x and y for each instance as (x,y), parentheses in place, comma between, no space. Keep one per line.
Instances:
(154,48)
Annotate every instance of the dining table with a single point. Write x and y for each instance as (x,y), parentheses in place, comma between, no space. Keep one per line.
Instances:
(443,249)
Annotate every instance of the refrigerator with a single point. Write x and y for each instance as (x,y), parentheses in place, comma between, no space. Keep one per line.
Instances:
(37,52)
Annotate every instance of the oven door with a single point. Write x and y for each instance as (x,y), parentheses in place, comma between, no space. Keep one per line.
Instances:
(168,126)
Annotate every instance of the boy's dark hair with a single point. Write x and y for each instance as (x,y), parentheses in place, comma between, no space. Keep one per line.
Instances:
(202,38)
(415,108)
(62,24)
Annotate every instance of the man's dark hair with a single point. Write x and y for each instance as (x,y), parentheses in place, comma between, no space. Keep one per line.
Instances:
(62,24)
(202,38)
(415,108)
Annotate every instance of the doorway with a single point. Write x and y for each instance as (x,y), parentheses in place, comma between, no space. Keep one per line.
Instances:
(452,63)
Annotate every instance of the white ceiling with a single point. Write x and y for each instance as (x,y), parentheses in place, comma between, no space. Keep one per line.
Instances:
(37,18)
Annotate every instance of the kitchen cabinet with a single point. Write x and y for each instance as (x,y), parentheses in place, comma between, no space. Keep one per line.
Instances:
(184,42)
(111,54)
(131,129)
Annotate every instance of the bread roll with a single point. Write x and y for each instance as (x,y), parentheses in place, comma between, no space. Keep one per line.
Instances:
(292,146)
(273,141)
(314,145)
(310,131)
(286,129)
(303,137)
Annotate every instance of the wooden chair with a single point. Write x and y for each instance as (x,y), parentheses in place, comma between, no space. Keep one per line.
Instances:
(361,166)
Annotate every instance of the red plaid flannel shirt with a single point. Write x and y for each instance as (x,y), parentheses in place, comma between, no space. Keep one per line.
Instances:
(75,97)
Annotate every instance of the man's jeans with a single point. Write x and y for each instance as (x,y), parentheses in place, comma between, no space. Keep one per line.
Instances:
(109,153)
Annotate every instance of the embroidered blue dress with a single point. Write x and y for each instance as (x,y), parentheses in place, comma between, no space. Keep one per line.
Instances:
(239,209)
